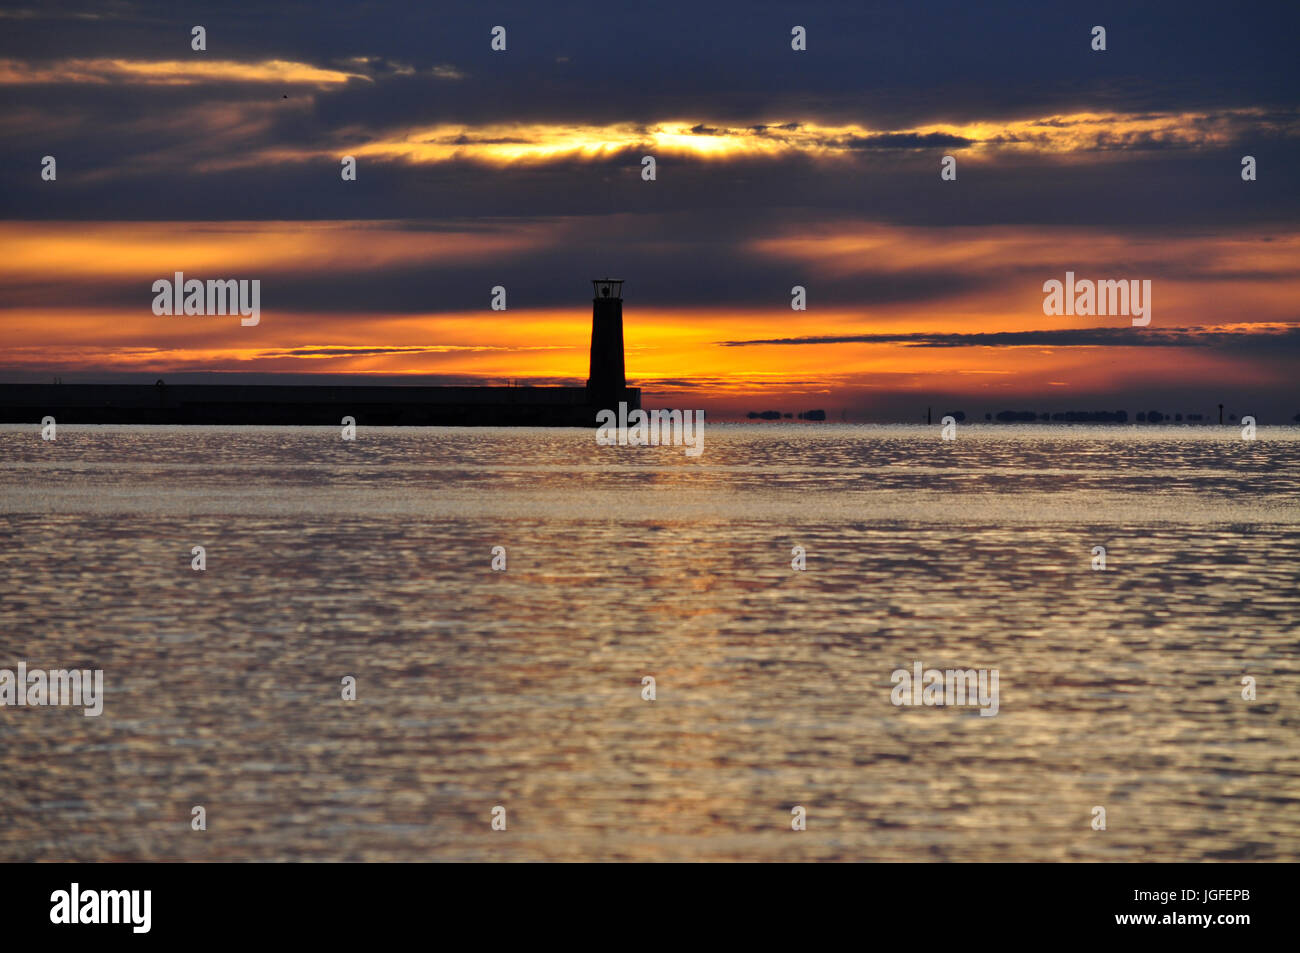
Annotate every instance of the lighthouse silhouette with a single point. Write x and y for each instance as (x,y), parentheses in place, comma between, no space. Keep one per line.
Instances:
(607,383)
(378,405)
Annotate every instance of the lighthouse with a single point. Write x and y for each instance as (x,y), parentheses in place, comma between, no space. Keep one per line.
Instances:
(306,405)
(607,382)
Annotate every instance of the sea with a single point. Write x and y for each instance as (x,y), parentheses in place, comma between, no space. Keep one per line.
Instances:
(517,645)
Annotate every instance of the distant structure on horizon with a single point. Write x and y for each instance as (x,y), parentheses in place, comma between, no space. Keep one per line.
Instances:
(778,415)
(327,404)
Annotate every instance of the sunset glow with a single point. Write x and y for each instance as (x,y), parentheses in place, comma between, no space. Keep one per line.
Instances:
(914,284)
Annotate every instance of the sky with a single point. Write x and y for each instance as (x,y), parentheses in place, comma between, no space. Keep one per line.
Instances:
(774,168)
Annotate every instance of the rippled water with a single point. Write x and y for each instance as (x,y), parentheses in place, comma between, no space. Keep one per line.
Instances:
(522,688)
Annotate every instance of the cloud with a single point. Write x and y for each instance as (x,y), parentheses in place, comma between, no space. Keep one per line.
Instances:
(912,140)
(16,72)
(1266,338)
(1061,136)
(349,350)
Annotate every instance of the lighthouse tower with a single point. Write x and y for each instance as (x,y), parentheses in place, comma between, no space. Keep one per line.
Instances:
(607,383)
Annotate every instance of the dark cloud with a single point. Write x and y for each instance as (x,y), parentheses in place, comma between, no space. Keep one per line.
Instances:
(919,59)
(1265,340)
(139,173)
(907,140)
(130,151)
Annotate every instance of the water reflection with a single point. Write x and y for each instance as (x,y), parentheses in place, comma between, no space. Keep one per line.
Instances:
(522,688)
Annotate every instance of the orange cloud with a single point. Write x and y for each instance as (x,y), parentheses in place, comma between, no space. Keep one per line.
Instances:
(156,249)
(669,349)
(189,72)
(1063,135)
